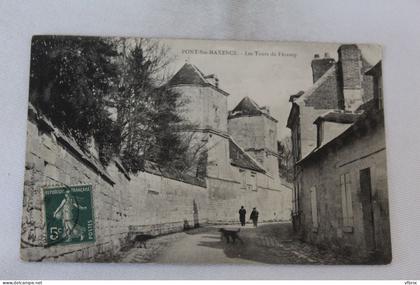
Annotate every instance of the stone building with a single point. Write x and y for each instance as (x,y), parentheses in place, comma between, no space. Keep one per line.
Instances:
(341,85)
(256,131)
(340,196)
(155,201)
(242,163)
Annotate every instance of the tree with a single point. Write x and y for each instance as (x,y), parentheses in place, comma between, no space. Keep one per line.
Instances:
(147,111)
(111,91)
(192,158)
(285,158)
(71,79)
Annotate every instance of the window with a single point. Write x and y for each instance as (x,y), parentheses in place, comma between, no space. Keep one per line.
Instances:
(272,138)
(216,115)
(346,202)
(243,178)
(296,147)
(252,183)
(314,208)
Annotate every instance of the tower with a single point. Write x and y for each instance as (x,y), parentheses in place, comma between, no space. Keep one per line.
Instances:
(204,105)
(255,130)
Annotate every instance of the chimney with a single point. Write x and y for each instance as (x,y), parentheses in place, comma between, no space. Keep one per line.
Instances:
(320,66)
(265,109)
(212,79)
(350,68)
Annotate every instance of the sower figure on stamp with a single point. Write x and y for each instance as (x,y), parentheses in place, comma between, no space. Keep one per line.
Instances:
(65,213)
(254,216)
(242,215)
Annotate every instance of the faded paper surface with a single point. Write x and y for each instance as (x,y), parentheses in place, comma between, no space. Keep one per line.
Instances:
(205,152)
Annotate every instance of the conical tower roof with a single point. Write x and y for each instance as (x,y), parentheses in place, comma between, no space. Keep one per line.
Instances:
(188,74)
(247,107)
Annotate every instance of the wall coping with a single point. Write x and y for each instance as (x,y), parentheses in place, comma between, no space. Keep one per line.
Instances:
(85,157)
(69,143)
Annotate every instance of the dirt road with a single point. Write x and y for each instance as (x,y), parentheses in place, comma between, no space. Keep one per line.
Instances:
(267,244)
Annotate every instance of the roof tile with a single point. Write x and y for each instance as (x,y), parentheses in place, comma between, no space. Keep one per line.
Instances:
(241,159)
(188,74)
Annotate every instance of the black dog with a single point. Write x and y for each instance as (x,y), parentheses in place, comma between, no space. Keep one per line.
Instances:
(140,240)
(230,235)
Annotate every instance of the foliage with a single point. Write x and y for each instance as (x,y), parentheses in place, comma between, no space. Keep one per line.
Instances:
(110,91)
(71,78)
(147,113)
(285,159)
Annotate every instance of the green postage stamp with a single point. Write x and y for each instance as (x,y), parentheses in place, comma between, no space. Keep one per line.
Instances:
(69,214)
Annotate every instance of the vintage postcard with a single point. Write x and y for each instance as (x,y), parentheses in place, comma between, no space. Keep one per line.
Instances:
(205,152)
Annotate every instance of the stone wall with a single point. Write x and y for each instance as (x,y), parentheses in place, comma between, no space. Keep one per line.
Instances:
(218,161)
(227,196)
(161,205)
(204,106)
(126,204)
(123,204)
(326,93)
(250,132)
(257,135)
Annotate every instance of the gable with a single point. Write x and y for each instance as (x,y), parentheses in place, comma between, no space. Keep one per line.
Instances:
(325,93)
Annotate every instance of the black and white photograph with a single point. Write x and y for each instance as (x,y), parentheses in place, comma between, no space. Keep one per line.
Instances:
(205,152)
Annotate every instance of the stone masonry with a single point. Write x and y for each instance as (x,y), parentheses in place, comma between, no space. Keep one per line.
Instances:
(151,202)
(123,204)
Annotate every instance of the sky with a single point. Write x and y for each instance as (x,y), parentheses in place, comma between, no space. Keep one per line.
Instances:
(267,72)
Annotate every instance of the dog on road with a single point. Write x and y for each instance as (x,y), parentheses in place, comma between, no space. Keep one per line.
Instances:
(230,235)
(140,240)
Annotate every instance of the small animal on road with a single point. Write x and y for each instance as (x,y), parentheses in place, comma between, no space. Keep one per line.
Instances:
(230,235)
(140,240)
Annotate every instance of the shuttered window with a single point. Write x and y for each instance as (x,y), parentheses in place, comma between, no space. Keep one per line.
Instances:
(346,201)
(314,207)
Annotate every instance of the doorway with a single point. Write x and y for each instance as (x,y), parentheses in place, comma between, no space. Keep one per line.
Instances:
(367,208)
